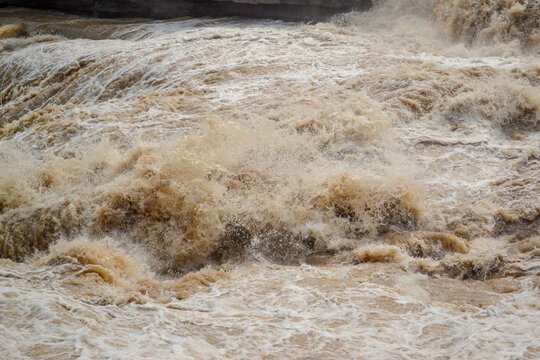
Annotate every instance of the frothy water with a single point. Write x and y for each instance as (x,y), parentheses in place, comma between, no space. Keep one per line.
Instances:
(230,188)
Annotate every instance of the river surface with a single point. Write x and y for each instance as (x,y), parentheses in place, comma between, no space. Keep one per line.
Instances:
(362,188)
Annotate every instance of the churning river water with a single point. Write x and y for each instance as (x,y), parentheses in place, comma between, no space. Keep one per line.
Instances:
(362,188)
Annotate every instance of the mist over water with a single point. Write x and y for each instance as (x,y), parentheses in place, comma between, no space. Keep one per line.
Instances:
(362,187)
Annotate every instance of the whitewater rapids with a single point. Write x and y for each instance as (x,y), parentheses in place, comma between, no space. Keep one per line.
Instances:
(365,187)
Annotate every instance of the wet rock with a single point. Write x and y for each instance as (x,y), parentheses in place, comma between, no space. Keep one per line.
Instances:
(298,10)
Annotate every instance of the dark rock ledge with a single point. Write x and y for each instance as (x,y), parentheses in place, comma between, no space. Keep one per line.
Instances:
(298,10)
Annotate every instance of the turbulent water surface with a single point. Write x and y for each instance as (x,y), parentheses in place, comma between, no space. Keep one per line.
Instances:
(362,188)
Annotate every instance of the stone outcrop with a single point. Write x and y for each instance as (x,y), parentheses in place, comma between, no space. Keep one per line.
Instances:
(278,9)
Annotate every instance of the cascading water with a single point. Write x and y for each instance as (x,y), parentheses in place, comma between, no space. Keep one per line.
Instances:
(365,187)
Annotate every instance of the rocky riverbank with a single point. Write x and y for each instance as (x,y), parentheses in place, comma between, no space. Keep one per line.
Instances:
(298,10)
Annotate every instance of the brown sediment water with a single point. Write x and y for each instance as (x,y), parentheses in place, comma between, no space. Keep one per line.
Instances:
(365,187)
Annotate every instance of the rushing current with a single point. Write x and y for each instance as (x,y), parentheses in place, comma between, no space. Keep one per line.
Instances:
(367,187)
